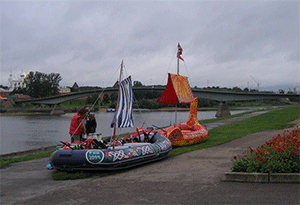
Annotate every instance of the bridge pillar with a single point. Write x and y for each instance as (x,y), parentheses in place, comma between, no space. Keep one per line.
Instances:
(223,110)
(57,110)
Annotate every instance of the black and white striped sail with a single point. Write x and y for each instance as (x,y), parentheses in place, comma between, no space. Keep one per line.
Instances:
(124,109)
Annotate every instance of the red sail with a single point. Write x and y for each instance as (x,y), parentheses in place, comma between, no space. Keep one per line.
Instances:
(179,88)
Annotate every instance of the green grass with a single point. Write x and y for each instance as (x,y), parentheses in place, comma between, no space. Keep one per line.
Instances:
(74,103)
(276,119)
(272,120)
(7,161)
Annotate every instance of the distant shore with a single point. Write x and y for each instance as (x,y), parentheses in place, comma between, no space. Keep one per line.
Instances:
(46,111)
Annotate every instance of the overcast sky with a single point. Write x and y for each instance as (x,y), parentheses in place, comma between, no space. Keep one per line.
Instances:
(224,42)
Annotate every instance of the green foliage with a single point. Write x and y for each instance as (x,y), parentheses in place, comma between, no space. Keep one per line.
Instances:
(6,161)
(106,98)
(137,84)
(92,100)
(74,103)
(42,85)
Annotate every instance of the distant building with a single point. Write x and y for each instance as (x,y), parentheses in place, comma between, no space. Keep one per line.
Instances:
(64,90)
(15,84)
(75,87)
(294,90)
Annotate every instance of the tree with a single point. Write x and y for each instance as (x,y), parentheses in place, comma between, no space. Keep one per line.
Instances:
(137,84)
(93,99)
(42,85)
(106,98)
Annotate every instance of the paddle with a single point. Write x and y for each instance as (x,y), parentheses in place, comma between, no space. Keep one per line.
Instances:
(159,128)
(67,144)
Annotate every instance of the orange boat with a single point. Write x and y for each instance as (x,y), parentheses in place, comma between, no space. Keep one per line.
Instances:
(178,89)
(188,133)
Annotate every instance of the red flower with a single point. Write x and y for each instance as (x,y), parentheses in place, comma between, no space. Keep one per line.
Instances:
(235,157)
(260,159)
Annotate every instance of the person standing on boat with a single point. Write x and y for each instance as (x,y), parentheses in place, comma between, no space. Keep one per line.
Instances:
(89,122)
(77,128)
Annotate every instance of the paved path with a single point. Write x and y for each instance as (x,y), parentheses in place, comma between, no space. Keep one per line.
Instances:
(192,178)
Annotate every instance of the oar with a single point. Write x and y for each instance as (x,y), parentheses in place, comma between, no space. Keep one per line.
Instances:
(159,128)
(68,145)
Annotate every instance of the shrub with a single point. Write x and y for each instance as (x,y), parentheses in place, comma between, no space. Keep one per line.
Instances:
(279,155)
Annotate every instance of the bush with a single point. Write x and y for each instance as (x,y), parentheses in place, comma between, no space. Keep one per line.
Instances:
(279,155)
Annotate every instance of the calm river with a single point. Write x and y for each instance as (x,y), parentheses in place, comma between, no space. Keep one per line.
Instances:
(20,133)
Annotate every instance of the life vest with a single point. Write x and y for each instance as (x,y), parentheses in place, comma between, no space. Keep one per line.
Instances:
(91,124)
(74,124)
(151,134)
(141,135)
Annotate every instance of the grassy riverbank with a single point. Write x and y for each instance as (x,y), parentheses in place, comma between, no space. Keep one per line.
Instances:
(276,119)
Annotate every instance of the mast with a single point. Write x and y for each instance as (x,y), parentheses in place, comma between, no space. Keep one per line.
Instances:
(176,105)
(115,123)
(179,52)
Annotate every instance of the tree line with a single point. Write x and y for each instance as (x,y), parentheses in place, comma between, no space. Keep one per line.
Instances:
(40,85)
(44,85)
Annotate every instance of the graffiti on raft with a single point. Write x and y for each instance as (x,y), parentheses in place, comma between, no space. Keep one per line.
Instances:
(119,155)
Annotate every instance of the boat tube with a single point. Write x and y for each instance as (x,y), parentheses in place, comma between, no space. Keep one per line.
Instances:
(188,133)
(141,147)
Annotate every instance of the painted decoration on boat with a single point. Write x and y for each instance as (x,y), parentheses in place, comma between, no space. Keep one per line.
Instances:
(94,156)
(188,133)
(119,155)
(179,88)
(100,155)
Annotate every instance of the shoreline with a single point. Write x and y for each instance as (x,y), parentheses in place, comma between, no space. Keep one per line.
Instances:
(47,111)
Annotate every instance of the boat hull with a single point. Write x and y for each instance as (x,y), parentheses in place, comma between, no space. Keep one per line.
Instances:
(188,133)
(121,157)
(179,137)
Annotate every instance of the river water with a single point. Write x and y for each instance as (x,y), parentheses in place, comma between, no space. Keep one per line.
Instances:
(21,133)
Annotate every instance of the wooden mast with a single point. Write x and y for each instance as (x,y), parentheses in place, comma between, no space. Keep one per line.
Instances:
(115,123)
(176,105)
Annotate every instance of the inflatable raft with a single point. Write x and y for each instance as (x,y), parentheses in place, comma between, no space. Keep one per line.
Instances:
(188,133)
(141,147)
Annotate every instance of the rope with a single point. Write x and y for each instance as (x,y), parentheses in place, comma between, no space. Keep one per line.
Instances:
(93,105)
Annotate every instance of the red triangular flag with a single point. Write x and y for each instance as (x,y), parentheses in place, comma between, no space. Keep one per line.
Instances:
(179,52)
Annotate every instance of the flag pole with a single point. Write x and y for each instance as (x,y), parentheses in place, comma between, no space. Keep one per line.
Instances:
(115,123)
(178,58)
(176,105)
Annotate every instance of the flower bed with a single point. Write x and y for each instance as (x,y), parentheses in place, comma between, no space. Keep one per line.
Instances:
(279,155)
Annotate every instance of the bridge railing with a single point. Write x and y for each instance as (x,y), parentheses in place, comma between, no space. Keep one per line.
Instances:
(221,96)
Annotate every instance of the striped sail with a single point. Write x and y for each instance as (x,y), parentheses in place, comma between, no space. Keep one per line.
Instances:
(124,110)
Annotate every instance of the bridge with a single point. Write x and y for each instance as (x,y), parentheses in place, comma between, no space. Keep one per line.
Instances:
(221,96)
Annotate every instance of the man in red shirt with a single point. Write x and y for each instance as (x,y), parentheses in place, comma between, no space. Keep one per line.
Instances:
(77,127)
